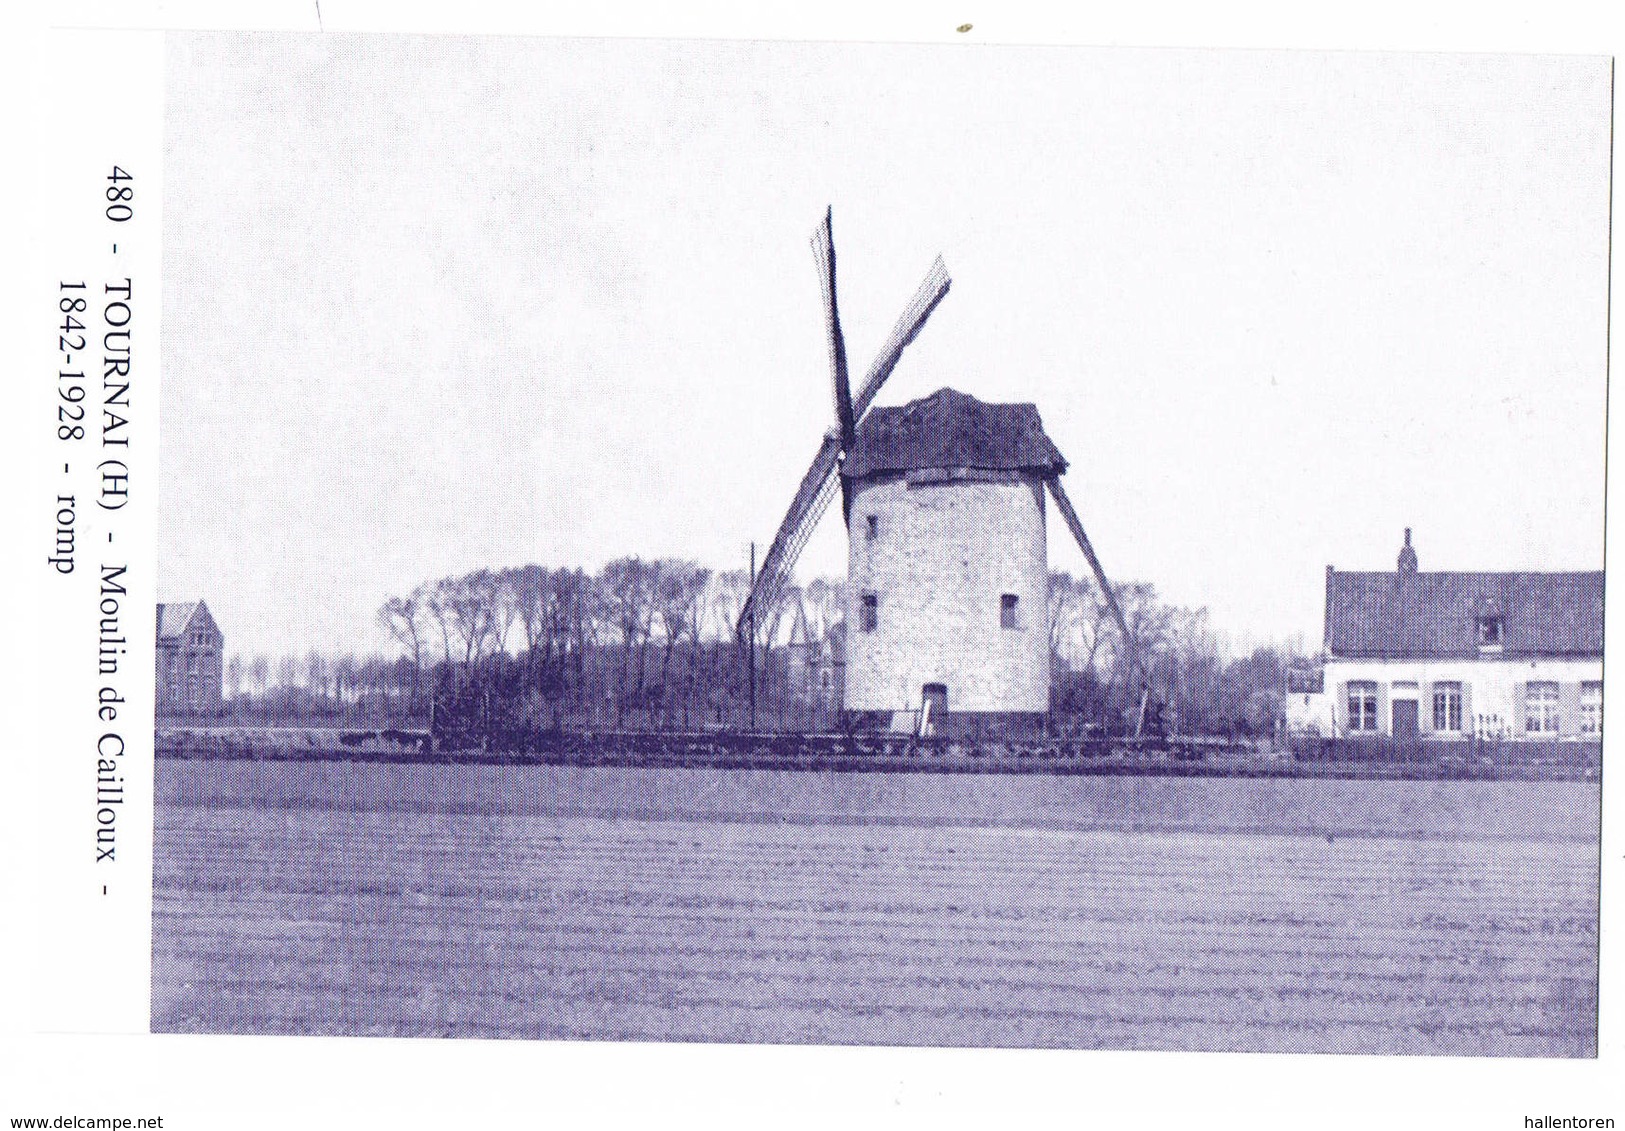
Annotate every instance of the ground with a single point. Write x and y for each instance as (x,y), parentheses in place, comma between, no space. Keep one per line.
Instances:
(1292,916)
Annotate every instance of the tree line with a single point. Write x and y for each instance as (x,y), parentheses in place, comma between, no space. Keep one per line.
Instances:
(649,644)
(1199,685)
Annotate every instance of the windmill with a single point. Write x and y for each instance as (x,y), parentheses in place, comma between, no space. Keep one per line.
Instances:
(958,487)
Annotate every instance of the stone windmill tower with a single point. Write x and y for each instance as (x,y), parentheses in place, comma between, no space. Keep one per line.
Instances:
(947,619)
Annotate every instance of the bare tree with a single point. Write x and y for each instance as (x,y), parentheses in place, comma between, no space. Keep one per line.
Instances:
(500,590)
(725,602)
(1077,612)
(551,609)
(578,609)
(345,669)
(627,586)
(435,599)
(316,674)
(532,597)
(1149,622)
(403,677)
(372,685)
(1192,667)
(732,587)
(680,588)
(470,609)
(403,619)
(287,671)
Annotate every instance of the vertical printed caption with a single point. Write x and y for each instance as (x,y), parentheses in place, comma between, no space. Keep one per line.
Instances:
(91,431)
(92,422)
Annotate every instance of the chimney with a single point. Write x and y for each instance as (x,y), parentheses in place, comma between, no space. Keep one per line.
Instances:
(1407,555)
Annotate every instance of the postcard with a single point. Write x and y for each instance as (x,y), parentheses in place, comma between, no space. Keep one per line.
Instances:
(678,548)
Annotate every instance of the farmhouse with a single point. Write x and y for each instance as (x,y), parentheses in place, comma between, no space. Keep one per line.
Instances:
(1448,655)
(189,650)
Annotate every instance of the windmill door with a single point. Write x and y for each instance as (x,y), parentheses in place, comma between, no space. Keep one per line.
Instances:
(933,707)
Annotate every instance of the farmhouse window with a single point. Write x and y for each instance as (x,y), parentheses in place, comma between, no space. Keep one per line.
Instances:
(1591,707)
(1008,603)
(1540,708)
(1447,707)
(872,527)
(1489,632)
(869,613)
(191,665)
(1362,706)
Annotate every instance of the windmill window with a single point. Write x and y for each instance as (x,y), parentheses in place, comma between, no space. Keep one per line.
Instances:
(869,612)
(871,529)
(1008,604)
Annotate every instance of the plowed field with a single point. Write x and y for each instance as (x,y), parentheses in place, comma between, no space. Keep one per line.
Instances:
(1382,917)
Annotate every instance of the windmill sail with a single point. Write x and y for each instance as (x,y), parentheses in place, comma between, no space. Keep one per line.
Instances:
(823,243)
(812,498)
(817,488)
(926,297)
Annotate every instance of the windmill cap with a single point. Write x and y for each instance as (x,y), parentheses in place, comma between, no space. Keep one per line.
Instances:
(950,429)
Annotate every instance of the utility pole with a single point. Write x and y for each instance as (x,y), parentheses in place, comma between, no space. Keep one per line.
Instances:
(750,644)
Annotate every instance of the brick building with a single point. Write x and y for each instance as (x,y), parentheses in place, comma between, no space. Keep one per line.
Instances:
(810,650)
(1451,655)
(190,650)
(948,573)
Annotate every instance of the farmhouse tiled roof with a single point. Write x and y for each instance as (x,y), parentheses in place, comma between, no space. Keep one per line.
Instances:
(174,617)
(1407,615)
(950,429)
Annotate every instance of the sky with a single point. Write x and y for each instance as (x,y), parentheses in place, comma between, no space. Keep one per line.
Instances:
(432,304)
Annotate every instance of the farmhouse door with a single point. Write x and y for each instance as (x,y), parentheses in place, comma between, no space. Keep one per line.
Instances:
(1405,729)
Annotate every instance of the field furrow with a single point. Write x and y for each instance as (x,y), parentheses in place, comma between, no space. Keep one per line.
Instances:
(559,922)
